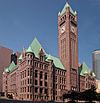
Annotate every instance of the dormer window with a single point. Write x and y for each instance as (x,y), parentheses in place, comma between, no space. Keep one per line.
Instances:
(41,54)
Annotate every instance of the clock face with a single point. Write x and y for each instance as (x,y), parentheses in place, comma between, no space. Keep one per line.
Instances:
(62,29)
(73,29)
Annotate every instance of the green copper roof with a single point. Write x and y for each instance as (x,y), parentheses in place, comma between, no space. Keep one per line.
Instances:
(48,57)
(36,47)
(29,50)
(20,57)
(56,61)
(11,67)
(66,7)
(84,69)
(7,70)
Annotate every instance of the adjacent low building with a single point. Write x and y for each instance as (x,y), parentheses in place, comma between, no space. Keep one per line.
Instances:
(86,77)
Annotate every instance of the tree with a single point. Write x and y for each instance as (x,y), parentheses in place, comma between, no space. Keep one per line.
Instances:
(88,95)
(72,95)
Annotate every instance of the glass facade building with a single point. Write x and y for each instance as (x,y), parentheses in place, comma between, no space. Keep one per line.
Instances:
(96,63)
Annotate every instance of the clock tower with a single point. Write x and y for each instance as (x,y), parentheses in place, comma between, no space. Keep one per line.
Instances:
(68,45)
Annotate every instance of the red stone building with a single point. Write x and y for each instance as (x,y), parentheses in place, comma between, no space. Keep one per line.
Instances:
(41,76)
(4,53)
(86,77)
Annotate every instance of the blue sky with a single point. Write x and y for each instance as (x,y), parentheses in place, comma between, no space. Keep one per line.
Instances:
(22,20)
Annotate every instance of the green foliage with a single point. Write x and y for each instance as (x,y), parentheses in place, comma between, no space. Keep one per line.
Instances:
(88,95)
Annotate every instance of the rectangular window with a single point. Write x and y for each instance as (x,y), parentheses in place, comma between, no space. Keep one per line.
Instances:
(28,89)
(41,90)
(36,73)
(45,76)
(41,75)
(46,84)
(36,82)
(25,73)
(28,72)
(36,90)
(40,83)
(27,95)
(45,91)
(28,81)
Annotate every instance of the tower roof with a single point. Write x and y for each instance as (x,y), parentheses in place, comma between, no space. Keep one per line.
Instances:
(65,8)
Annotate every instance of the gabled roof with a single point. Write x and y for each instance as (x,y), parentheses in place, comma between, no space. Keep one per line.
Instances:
(66,7)
(84,69)
(11,67)
(36,47)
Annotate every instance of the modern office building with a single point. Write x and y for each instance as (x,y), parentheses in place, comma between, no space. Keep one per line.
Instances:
(41,76)
(96,63)
(5,55)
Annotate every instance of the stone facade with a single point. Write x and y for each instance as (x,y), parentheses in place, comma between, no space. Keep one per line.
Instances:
(39,76)
(68,45)
(86,78)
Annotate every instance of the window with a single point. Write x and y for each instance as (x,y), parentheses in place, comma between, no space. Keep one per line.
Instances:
(45,67)
(46,84)
(25,73)
(45,91)
(28,89)
(56,78)
(56,86)
(41,75)
(36,82)
(45,76)
(36,90)
(40,83)
(28,72)
(41,90)
(41,58)
(28,81)
(60,79)
(36,64)
(41,66)
(56,92)
(36,73)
